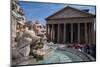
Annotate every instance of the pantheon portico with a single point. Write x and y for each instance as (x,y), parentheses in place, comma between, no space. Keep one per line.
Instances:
(70,25)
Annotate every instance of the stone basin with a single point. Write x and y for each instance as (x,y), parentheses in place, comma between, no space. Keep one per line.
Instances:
(67,55)
(59,55)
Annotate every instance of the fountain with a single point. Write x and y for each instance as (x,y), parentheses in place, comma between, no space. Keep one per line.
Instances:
(40,52)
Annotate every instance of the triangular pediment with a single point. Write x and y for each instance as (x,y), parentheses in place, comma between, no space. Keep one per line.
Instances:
(69,12)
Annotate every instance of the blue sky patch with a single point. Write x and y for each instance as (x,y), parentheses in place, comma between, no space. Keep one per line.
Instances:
(39,11)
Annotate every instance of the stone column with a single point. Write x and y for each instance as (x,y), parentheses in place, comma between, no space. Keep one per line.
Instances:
(58,35)
(52,32)
(86,36)
(71,32)
(64,36)
(78,32)
(94,24)
(47,29)
(93,31)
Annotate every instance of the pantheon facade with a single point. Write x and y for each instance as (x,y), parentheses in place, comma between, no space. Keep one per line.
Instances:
(71,25)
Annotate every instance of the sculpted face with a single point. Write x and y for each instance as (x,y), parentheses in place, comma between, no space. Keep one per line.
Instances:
(20,27)
(37,28)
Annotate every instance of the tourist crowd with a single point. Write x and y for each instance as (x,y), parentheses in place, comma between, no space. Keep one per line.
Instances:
(86,48)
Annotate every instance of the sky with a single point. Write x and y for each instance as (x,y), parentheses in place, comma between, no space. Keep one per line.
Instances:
(39,11)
